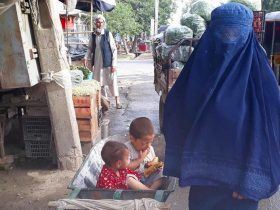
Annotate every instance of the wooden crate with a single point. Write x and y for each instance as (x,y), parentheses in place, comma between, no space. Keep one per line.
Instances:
(86,109)
(84,113)
(83,101)
(88,129)
(88,101)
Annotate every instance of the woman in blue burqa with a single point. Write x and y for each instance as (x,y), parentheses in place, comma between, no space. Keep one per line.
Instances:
(222,118)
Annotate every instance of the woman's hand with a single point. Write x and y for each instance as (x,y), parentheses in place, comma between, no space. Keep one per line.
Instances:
(113,69)
(237,196)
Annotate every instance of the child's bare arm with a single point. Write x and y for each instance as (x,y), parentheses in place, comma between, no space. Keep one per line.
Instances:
(134,164)
(135,184)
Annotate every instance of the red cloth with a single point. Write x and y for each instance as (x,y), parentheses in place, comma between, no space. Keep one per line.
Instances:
(110,180)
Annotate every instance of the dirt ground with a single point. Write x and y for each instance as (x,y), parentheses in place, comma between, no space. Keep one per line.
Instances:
(31,185)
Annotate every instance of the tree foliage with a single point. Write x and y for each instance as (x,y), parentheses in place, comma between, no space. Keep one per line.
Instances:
(166,7)
(122,20)
(144,11)
(271,5)
(133,16)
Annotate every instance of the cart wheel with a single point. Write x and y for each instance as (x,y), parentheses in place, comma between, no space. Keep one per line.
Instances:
(161,111)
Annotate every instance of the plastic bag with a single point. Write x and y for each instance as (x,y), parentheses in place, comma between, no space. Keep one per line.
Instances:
(175,33)
(182,53)
(194,22)
(61,78)
(204,8)
(177,65)
(76,77)
(254,5)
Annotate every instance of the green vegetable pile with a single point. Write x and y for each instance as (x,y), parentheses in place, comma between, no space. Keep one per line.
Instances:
(174,34)
(254,5)
(194,22)
(204,8)
(84,69)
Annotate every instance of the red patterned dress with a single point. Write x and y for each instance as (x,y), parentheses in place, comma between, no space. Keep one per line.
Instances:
(108,178)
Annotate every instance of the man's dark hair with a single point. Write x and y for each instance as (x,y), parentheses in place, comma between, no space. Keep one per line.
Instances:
(141,127)
(112,151)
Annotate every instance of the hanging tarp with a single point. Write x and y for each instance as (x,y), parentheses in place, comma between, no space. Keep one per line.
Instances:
(98,5)
(104,5)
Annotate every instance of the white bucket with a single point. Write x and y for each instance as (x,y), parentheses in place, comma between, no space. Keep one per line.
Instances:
(105,128)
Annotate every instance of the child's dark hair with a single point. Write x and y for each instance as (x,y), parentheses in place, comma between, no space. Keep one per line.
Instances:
(112,151)
(141,127)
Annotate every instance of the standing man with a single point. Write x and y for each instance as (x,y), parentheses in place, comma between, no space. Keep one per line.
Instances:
(102,53)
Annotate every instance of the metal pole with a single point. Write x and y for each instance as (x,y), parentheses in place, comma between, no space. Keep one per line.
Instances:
(67,42)
(2,130)
(152,27)
(91,10)
(156,15)
(66,22)
(272,46)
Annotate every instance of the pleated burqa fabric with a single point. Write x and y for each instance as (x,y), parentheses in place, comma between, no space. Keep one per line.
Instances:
(222,116)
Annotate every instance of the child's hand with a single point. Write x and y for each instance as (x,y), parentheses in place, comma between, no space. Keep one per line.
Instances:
(152,162)
(144,153)
(152,169)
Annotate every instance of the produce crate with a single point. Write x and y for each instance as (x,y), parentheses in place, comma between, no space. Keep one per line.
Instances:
(37,136)
(84,112)
(83,101)
(87,109)
(88,129)
(88,101)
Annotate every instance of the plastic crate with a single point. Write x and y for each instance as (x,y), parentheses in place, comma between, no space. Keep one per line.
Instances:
(38,149)
(37,136)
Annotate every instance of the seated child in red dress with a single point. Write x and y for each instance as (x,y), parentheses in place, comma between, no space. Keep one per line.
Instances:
(114,173)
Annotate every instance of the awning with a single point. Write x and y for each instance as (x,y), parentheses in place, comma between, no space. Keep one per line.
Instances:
(273,16)
(98,5)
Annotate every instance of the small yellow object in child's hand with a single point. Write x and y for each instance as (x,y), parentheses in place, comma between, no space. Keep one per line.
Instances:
(153,166)
(151,163)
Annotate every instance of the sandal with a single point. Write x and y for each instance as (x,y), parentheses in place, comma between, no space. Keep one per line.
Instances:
(119,106)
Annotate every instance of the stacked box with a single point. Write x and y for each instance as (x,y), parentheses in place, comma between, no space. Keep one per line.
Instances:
(87,112)
(37,136)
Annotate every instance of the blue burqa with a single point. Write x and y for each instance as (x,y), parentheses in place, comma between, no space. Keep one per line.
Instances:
(222,116)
